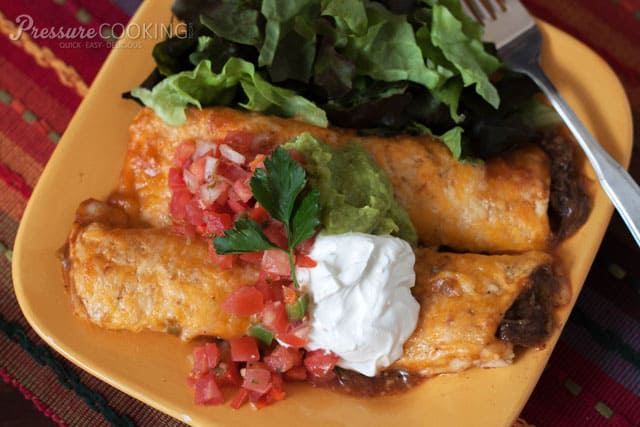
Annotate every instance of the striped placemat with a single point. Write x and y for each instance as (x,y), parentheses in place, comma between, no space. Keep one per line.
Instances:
(593,377)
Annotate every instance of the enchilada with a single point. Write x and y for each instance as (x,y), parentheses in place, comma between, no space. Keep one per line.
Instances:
(140,279)
(497,206)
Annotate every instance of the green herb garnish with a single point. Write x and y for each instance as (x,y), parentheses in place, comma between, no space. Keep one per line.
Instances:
(278,188)
(298,309)
(261,333)
(245,236)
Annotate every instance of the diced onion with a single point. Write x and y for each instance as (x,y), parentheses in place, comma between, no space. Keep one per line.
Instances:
(231,154)
(243,191)
(191,181)
(203,147)
(210,167)
(210,195)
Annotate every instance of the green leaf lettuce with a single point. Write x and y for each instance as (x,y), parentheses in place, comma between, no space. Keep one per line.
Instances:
(202,87)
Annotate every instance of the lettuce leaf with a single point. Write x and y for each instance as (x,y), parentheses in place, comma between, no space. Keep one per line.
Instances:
(388,50)
(466,54)
(203,87)
(385,67)
(348,14)
(280,16)
(452,138)
(235,20)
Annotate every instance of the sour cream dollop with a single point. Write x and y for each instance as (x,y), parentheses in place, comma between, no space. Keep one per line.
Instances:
(361,305)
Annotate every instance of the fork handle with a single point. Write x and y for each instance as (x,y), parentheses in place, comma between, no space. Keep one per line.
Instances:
(622,190)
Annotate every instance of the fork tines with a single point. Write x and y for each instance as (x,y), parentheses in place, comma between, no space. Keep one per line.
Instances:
(485,9)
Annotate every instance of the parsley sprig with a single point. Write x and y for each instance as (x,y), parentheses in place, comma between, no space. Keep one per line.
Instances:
(279,189)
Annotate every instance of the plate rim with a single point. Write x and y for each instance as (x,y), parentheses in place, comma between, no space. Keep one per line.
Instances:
(20,262)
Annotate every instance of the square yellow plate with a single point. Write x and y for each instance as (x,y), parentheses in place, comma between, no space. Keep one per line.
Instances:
(152,367)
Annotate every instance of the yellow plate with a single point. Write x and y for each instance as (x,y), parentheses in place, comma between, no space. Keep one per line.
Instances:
(152,367)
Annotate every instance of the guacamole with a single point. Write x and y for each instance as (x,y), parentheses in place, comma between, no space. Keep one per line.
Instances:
(355,194)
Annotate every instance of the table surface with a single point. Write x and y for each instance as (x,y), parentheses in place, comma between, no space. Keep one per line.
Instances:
(593,377)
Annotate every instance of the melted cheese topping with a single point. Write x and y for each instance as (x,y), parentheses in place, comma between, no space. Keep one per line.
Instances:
(463,298)
(150,279)
(497,206)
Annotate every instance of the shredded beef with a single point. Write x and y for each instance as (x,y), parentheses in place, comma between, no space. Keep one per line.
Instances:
(569,203)
(529,320)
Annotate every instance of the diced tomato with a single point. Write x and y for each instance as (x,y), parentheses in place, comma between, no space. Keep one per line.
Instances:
(277,262)
(271,290)
(243,302)
(244,349)
(231,171)
(213,354)
(258,214)
(289,295)
(276,381)
(257,379)
(276,393)
(207,391)
(200,362)
(179,200)
(257,399)
(252,257)
(216,222)
(257,364)
(320,364)
(297,337)
(242,189)
(183,153)
(236,205)
(240,140)
(197,169)
(306,245)
(223,262)
(227,373)
(240,398)
(194,213)
(274,317)
(305,261)
(283,358)
(292,340)
(276,233)
(175,179)
(297,373)
(268,278)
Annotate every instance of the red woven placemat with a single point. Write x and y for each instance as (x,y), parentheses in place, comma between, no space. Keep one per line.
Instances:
(593,377)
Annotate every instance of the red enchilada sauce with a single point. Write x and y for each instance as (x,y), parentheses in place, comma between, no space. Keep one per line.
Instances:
(386,383)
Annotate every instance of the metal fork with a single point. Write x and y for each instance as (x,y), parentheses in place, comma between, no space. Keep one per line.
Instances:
(518,40)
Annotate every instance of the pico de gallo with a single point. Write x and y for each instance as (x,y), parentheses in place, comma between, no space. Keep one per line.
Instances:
(210,192)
